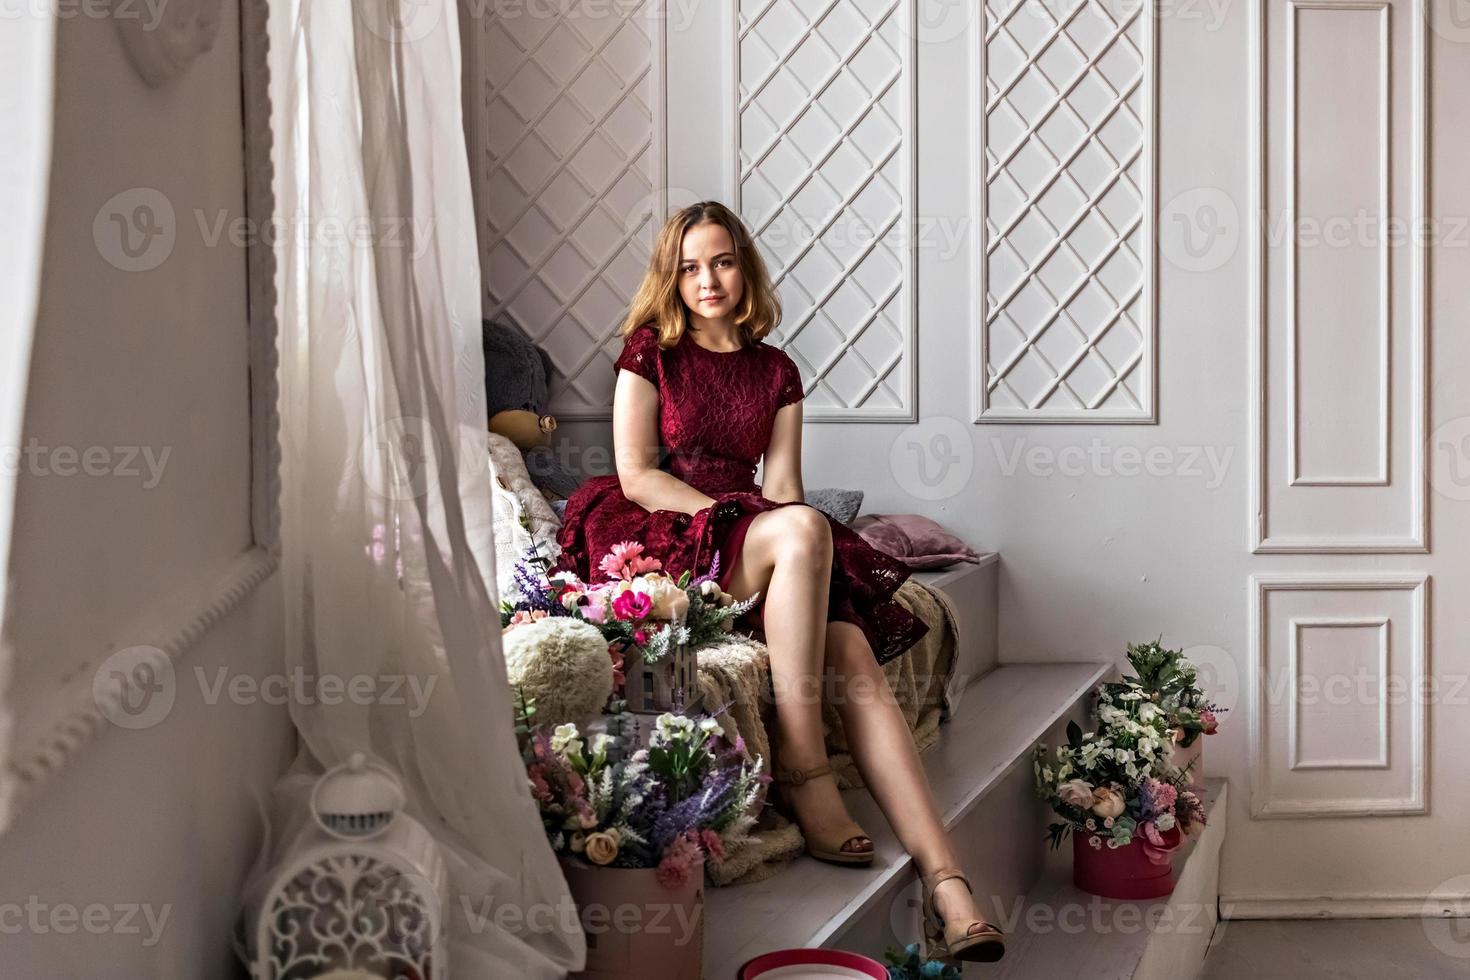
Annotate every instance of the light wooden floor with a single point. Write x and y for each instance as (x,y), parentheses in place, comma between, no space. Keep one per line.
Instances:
(1341,949)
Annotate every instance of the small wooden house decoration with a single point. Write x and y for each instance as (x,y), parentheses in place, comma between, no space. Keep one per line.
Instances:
(670,683)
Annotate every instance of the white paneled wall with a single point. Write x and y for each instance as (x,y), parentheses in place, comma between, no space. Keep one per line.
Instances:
(1339,673)
(1067,228)
(571,170)
(1340,348)
(825,141)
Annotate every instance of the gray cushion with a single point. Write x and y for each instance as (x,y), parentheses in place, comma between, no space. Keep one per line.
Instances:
(840,505)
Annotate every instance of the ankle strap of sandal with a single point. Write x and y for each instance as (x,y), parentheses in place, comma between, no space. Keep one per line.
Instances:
(944,874)
(798,776)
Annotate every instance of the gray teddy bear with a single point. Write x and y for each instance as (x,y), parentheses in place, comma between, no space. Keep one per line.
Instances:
(516,373)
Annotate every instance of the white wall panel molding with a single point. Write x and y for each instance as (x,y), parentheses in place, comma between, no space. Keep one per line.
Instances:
(571,181)
(1340,149)
(1066,226)
(1379,474)
(825,176)
(1389,706)
(1297,678)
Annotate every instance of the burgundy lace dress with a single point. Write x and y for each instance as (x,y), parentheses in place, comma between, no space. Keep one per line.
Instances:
(716,411)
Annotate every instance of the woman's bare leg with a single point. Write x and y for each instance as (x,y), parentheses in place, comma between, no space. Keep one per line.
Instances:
(883,749)
(787,558)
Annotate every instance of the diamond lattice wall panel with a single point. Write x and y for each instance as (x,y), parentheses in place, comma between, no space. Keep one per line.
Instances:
(1067,329)
(570,173)
(825,164)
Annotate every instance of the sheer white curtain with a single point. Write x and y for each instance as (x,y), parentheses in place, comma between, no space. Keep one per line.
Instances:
(28,52)
(388,566)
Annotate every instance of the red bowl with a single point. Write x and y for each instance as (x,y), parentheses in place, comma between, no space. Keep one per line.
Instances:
(859,966)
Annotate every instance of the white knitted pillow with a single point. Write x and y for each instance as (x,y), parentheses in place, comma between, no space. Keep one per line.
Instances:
(513,495)
(508,463)
(511,539)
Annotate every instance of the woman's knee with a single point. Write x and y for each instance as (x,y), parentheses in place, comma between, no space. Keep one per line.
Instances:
(803,533)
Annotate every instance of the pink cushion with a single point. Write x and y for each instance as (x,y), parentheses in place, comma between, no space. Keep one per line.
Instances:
(914,540)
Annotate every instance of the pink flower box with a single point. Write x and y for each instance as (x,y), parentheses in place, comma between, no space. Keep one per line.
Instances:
(635,927)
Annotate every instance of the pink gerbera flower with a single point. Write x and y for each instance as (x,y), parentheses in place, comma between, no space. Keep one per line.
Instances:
(626,561)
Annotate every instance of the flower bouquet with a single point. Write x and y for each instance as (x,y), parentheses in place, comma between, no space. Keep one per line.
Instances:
(1126,806)
(653,622)
(1172,682)
(633,830)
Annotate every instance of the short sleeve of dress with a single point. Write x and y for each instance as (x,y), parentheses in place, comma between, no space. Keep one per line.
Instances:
(640,354)
(791,390)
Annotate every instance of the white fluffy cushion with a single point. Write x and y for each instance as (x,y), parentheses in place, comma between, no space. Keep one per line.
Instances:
(563,663)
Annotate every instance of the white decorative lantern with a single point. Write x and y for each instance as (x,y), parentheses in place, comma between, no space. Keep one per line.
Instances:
(361,896)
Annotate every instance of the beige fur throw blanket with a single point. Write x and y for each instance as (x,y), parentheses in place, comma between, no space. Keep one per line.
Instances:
(737,672)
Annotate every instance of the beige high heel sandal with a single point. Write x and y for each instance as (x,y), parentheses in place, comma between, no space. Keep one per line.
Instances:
(827,845)
(955,941)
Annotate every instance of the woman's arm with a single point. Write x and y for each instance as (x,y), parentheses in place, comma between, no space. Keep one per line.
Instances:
(635,449)
(781,480)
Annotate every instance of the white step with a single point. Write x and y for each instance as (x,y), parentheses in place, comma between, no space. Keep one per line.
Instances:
(974,592)
(980,773)
(1060,932)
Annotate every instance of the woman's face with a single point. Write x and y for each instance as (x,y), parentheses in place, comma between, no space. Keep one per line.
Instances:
(709,274)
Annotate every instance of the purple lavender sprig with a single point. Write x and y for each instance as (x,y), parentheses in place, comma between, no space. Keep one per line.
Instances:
(534,595)
(697,811)
(712,575)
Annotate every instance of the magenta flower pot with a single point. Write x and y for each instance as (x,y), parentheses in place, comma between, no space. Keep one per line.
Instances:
(1133,872)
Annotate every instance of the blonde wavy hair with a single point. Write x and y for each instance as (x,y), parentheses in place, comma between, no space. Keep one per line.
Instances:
(658,300)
